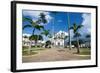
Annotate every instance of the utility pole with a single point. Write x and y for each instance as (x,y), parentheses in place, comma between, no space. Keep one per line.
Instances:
(69,31)
(53,32)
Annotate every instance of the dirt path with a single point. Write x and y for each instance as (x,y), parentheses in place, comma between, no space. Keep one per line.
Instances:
(53,55)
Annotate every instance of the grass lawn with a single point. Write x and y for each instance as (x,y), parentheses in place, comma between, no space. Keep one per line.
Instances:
(85,51)
(32,52)
(25,53)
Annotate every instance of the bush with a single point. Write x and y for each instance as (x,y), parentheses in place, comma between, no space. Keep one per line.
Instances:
(33,46)
(48,44)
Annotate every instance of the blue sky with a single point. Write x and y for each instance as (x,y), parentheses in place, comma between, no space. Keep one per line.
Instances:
(59,21)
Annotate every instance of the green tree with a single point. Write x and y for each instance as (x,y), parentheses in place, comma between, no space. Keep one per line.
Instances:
(35,26)
(75,29)
(32,24)
(48,44)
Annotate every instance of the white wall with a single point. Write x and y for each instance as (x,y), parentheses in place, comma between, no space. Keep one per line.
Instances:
(5,37)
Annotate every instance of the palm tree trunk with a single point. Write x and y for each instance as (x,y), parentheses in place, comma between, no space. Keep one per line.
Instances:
(33,31)
(78,48)
(36,42)
(29,51)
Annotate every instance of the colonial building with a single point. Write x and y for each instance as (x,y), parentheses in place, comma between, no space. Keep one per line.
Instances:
(27,42)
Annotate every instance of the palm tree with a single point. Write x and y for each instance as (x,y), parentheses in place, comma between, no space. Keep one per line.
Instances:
(77,35)
(35,25)
(32,24)
(75,29)
(43,18)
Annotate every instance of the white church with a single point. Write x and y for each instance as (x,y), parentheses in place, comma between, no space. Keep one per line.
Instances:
(58,39)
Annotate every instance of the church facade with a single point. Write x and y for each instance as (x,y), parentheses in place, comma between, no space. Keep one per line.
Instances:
(59,38)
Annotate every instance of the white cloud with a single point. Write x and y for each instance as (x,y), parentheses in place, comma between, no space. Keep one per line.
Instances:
(48,17)
(86,29)
(35,15)
(26,34)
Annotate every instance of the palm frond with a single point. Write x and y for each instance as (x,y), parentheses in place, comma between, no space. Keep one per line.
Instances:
(27,19)
(26,26)
(39,27)
(42,18)
(45,32)
(34,24)
(42,15)
(44,21)
(42,27)
(38,21)
(79,26)
(74,26)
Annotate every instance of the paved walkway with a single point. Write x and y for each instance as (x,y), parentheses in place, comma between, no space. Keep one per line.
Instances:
(54,55)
